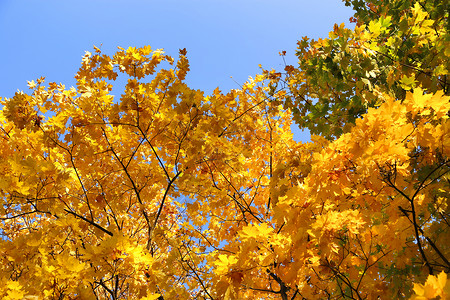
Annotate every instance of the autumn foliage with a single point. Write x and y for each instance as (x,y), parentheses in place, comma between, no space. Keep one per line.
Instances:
(159,191)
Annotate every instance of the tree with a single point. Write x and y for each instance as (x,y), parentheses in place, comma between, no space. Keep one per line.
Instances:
(169,193)
(135,197)
(395,46)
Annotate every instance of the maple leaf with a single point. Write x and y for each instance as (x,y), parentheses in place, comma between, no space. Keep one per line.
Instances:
(151,297)
(224,263)
(407,82)
(435,286)
(31,84)
(183,51)
(253,231)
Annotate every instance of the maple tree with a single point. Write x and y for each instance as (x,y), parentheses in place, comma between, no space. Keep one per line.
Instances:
(165,192)
(395,46)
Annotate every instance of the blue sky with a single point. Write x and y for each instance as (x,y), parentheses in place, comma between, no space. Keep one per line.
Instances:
(223,38)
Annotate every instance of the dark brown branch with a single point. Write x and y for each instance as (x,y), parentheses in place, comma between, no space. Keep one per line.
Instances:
(135,188)
(89,221)
(283,288)
(164,198)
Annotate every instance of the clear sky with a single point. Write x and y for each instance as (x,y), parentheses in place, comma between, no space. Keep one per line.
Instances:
(223,38)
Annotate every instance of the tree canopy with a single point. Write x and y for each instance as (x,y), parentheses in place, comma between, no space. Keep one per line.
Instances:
(164,192)
(395,46)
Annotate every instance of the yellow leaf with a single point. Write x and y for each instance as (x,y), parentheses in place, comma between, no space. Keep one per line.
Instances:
(375,28)
(224,263)
(16,294)
(253,231)
(15,290)
(31,84)
(408,83)
(435,286)
(151,297)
